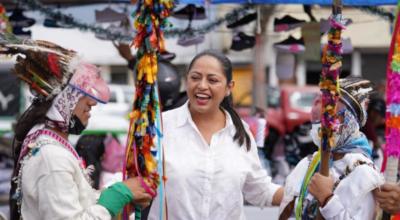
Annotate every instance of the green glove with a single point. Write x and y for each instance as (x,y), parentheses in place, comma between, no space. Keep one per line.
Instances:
(115,197)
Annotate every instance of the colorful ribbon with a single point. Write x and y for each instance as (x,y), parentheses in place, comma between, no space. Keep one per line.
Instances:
(144,151)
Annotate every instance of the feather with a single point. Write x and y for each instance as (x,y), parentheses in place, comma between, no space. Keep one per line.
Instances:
(45,66)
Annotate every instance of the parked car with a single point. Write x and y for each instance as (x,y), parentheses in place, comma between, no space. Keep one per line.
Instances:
(288,114)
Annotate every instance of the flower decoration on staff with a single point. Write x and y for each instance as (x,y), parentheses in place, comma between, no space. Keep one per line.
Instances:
(144,150)
(329,84)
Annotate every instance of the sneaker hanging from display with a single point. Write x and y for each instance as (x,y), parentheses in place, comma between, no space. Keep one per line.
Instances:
(242,21)
(114,29)
(190,39)
(51,23)
(165,55)
(287,23)
(291,45)
(21,32)
(18,20)
(190,12)
(241,41)
(109,15)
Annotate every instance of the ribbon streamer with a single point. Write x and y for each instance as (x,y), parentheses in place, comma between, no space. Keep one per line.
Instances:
(144,150)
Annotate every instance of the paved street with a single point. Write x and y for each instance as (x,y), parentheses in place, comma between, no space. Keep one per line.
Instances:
(255,213)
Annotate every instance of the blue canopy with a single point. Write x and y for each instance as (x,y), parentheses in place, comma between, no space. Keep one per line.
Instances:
(304,2)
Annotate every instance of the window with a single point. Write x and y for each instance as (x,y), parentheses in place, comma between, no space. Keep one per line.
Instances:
(302,100)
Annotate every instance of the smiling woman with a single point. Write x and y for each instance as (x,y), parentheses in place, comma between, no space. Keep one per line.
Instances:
(209,85)
(211,158)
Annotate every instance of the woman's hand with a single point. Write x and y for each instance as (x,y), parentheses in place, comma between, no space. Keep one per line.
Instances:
(140,196)
(321,187)
(388,197)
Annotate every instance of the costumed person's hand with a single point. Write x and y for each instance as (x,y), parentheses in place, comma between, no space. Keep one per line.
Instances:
(388,197)
(140,196)
(124,50)
(321,187)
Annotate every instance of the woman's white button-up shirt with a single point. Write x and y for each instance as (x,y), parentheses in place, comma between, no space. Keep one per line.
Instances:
(209,181)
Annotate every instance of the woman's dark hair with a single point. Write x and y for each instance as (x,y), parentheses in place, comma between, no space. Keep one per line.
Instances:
(35,114)
(241,136)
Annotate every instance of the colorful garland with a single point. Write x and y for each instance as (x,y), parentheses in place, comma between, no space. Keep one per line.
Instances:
(144,152)
(5,26)
(169,32)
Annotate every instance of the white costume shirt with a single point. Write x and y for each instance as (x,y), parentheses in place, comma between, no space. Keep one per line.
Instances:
(54,187)
(353,197)
(209,181)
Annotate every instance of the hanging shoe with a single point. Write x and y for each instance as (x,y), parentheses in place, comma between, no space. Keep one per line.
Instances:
(287,23)
(112,29)
(18,19)
(291,45)
(190,12)
(244,20)
(241,41)
(165,55)
(109,15)
(20,32)
(51,23)
(189,40)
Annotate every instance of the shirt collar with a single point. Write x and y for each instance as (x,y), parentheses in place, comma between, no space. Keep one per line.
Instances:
(184,116)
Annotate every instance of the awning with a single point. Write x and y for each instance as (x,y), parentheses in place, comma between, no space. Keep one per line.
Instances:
(11,3)
(306,2)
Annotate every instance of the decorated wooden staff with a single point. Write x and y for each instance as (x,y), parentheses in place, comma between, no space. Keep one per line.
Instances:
(392,147)
(144,152)
(329,84)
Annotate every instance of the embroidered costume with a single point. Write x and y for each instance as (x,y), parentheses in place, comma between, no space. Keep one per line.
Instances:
(50,180)
(355,175)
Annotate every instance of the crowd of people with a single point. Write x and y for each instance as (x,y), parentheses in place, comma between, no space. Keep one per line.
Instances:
(211,157)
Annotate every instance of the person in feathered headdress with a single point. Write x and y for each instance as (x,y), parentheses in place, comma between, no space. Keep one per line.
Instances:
(49,180)
(347,193)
